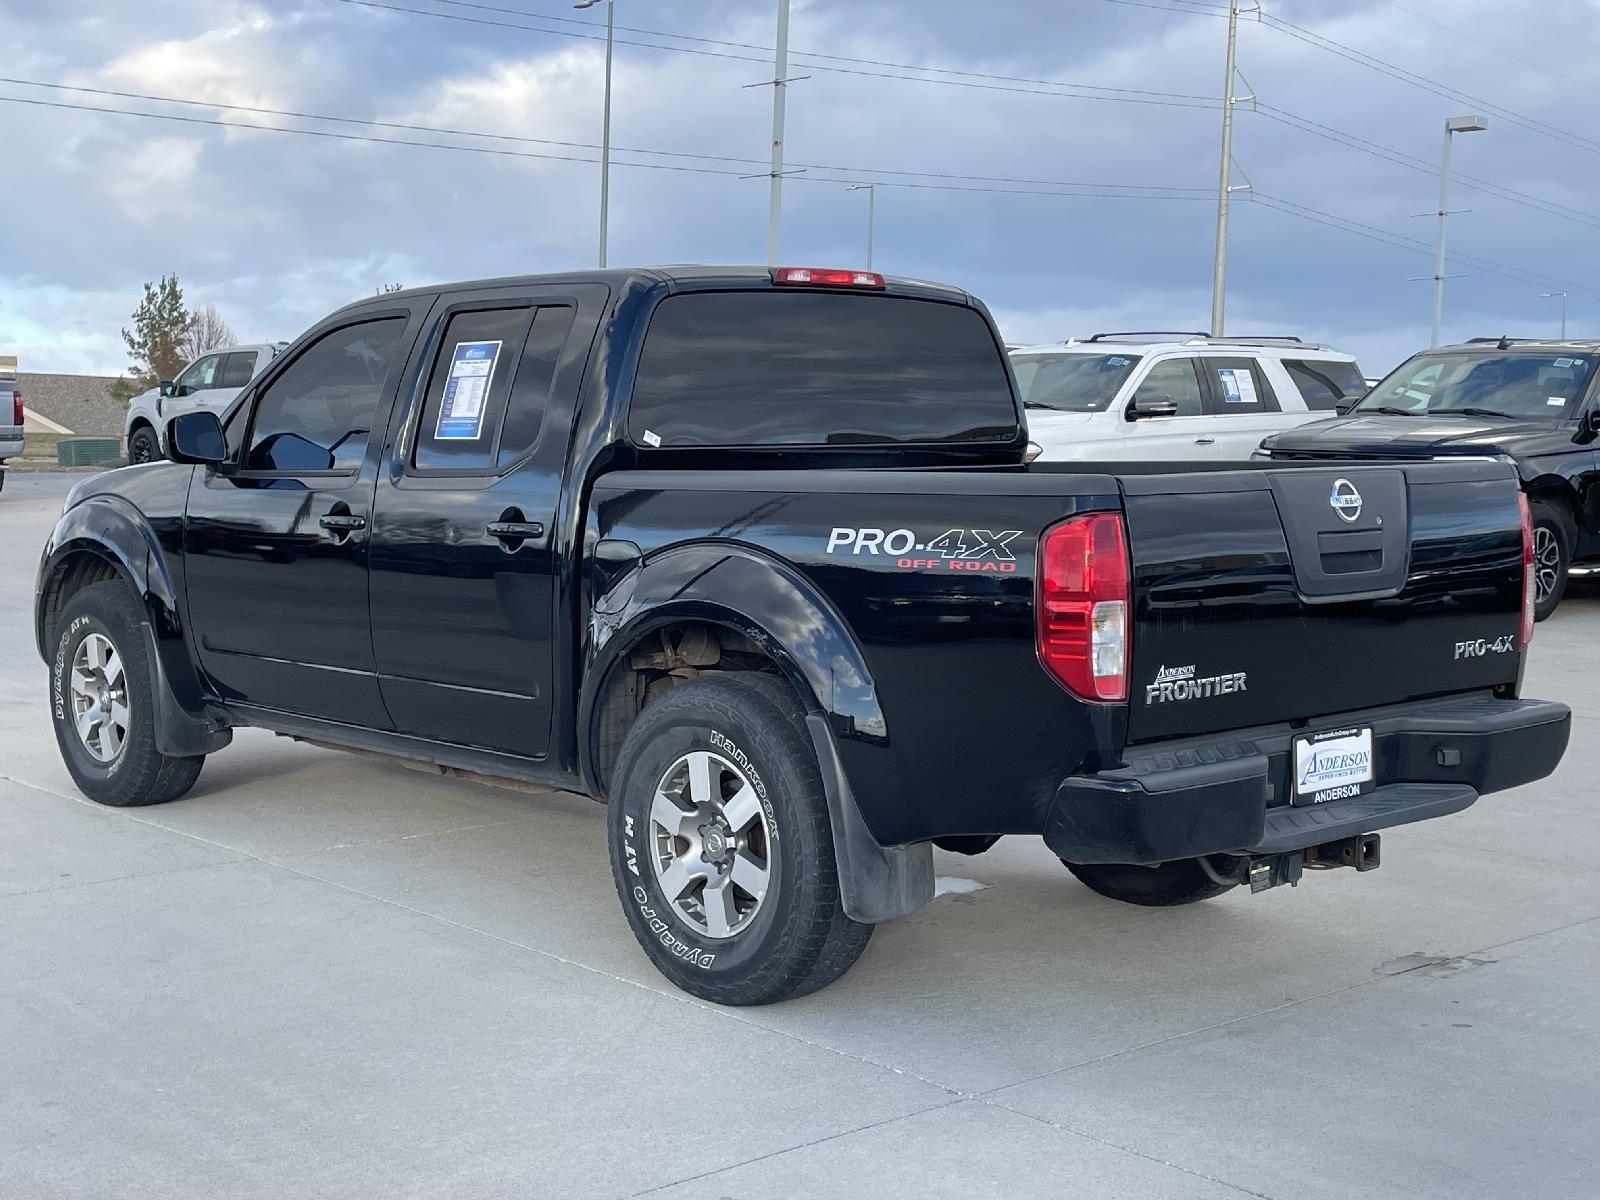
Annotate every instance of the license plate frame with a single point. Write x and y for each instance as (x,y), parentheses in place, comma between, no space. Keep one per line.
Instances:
(1347,769)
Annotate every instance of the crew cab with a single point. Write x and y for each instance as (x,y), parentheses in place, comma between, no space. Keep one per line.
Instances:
(753,557)
(211,381)
(1531,402)
(1176,396)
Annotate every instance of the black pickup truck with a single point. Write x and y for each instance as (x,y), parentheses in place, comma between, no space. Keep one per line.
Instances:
(1530,402)
(754,557)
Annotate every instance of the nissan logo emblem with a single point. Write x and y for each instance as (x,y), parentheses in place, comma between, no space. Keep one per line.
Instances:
(1345,500)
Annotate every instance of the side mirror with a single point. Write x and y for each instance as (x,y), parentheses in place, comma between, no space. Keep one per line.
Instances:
(1144,407)
(168,388)
(1588,426)
(196,437)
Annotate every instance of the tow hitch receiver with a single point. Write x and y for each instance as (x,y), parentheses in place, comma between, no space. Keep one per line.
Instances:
(1361,852)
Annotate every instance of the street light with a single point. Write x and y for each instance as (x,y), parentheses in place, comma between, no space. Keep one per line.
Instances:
(1452,125)
(1563,295)
(871,189)
(605,136)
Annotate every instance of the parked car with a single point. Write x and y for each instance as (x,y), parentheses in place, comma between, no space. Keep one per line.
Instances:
(211,381)
(11,439)
(1530,401)
(752,555)
(1175,397)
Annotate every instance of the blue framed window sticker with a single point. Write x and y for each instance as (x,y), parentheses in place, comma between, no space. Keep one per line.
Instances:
(466,391)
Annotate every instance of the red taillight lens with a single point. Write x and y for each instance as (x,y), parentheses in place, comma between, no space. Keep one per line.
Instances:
(16,407)
(826,277)
(1530,578)
(1081,613)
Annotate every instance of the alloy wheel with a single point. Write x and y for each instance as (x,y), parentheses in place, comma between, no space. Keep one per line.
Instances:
(711,844)
(99,698)
(1546,561)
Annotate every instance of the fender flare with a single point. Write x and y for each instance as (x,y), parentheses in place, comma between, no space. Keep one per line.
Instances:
(753,593)
(115,532)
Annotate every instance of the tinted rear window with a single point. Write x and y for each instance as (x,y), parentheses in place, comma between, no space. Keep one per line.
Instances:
(794,369)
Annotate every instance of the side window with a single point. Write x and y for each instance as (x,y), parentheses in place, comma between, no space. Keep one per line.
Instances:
(489,387)
(237,368)
(316,416)
(200,374)
(1323,385)
(1174,379)
(1239,388)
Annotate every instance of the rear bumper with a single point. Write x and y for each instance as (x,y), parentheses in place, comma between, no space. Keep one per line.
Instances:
(1218,795)
(11,445)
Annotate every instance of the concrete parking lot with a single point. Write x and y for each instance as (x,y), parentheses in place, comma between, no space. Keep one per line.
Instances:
(323,975)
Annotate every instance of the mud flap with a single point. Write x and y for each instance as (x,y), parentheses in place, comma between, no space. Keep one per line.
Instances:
(876,883)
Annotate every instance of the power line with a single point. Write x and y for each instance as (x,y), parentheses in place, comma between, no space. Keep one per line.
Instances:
(1402,242)
(1053,190)
(506,137)
(1153,99)
(1382,67)
(1463,34)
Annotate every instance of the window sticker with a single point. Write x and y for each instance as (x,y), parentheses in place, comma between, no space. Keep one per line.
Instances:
(1116,362)
(466,392)
(1556,400)
(1238,387)
(1565,362)
(652,438)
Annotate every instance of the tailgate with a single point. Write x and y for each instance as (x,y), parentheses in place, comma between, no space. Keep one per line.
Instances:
(1295,592)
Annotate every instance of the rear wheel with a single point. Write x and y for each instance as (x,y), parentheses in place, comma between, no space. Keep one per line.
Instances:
(721,847)
(1552,555)
(1164,886)
(144,446)
(102,703)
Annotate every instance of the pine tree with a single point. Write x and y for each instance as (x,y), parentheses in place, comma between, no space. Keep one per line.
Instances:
(155,344)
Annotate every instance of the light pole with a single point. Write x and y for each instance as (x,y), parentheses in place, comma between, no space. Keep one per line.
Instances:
(1563,295)
(871,189)
(605,135)
(1219,267)
(1452,125)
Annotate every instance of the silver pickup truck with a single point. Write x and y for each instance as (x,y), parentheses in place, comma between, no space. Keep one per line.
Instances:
(10,414)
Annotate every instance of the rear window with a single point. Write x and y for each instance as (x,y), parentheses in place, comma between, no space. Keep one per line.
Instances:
(1071,382)
(1322,385)
(797,369)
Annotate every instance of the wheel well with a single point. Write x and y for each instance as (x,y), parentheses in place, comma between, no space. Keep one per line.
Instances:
(77,571)
(139,423)
(656,663)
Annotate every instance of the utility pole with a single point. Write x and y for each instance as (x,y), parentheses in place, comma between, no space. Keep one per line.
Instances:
(605,131)
(780,83)
(1219,269)
(871,189)
(1452,126)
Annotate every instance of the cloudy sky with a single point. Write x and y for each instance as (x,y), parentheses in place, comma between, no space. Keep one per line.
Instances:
(1061,162)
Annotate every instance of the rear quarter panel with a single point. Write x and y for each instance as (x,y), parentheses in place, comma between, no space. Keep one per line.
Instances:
(930,575)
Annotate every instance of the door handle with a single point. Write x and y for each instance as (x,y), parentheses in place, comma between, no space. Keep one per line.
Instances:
(343,522)
(1205,441)
(506,530)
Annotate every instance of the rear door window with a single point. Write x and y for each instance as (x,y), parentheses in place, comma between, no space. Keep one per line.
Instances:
(1324,385)
(776,368)
(489,387)
(1238,388)
(1175,379)
(237,368)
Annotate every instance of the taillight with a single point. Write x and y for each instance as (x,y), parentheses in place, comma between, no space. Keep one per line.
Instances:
(1530,576)
(1081,611)
(826,277)
(16,407)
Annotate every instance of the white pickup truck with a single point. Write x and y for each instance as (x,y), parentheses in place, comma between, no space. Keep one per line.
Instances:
(210,381)
(10,414)
(1176,396)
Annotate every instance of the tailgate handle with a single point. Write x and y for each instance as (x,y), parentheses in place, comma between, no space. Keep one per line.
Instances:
(1351,553)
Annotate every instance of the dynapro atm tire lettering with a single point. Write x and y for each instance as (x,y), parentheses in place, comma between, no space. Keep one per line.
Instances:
(952,550)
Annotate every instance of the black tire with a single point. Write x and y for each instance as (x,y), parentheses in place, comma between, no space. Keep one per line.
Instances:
(797,938)
(144,446)
(138,773)
(1553,536)
(1164,886)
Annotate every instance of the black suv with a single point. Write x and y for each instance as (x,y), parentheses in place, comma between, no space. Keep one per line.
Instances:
(1530,402)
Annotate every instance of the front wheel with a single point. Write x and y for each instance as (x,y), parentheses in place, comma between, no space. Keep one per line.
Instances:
(721,846)
(1552,555)
(144,446)
(1166,885)
(102,703)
